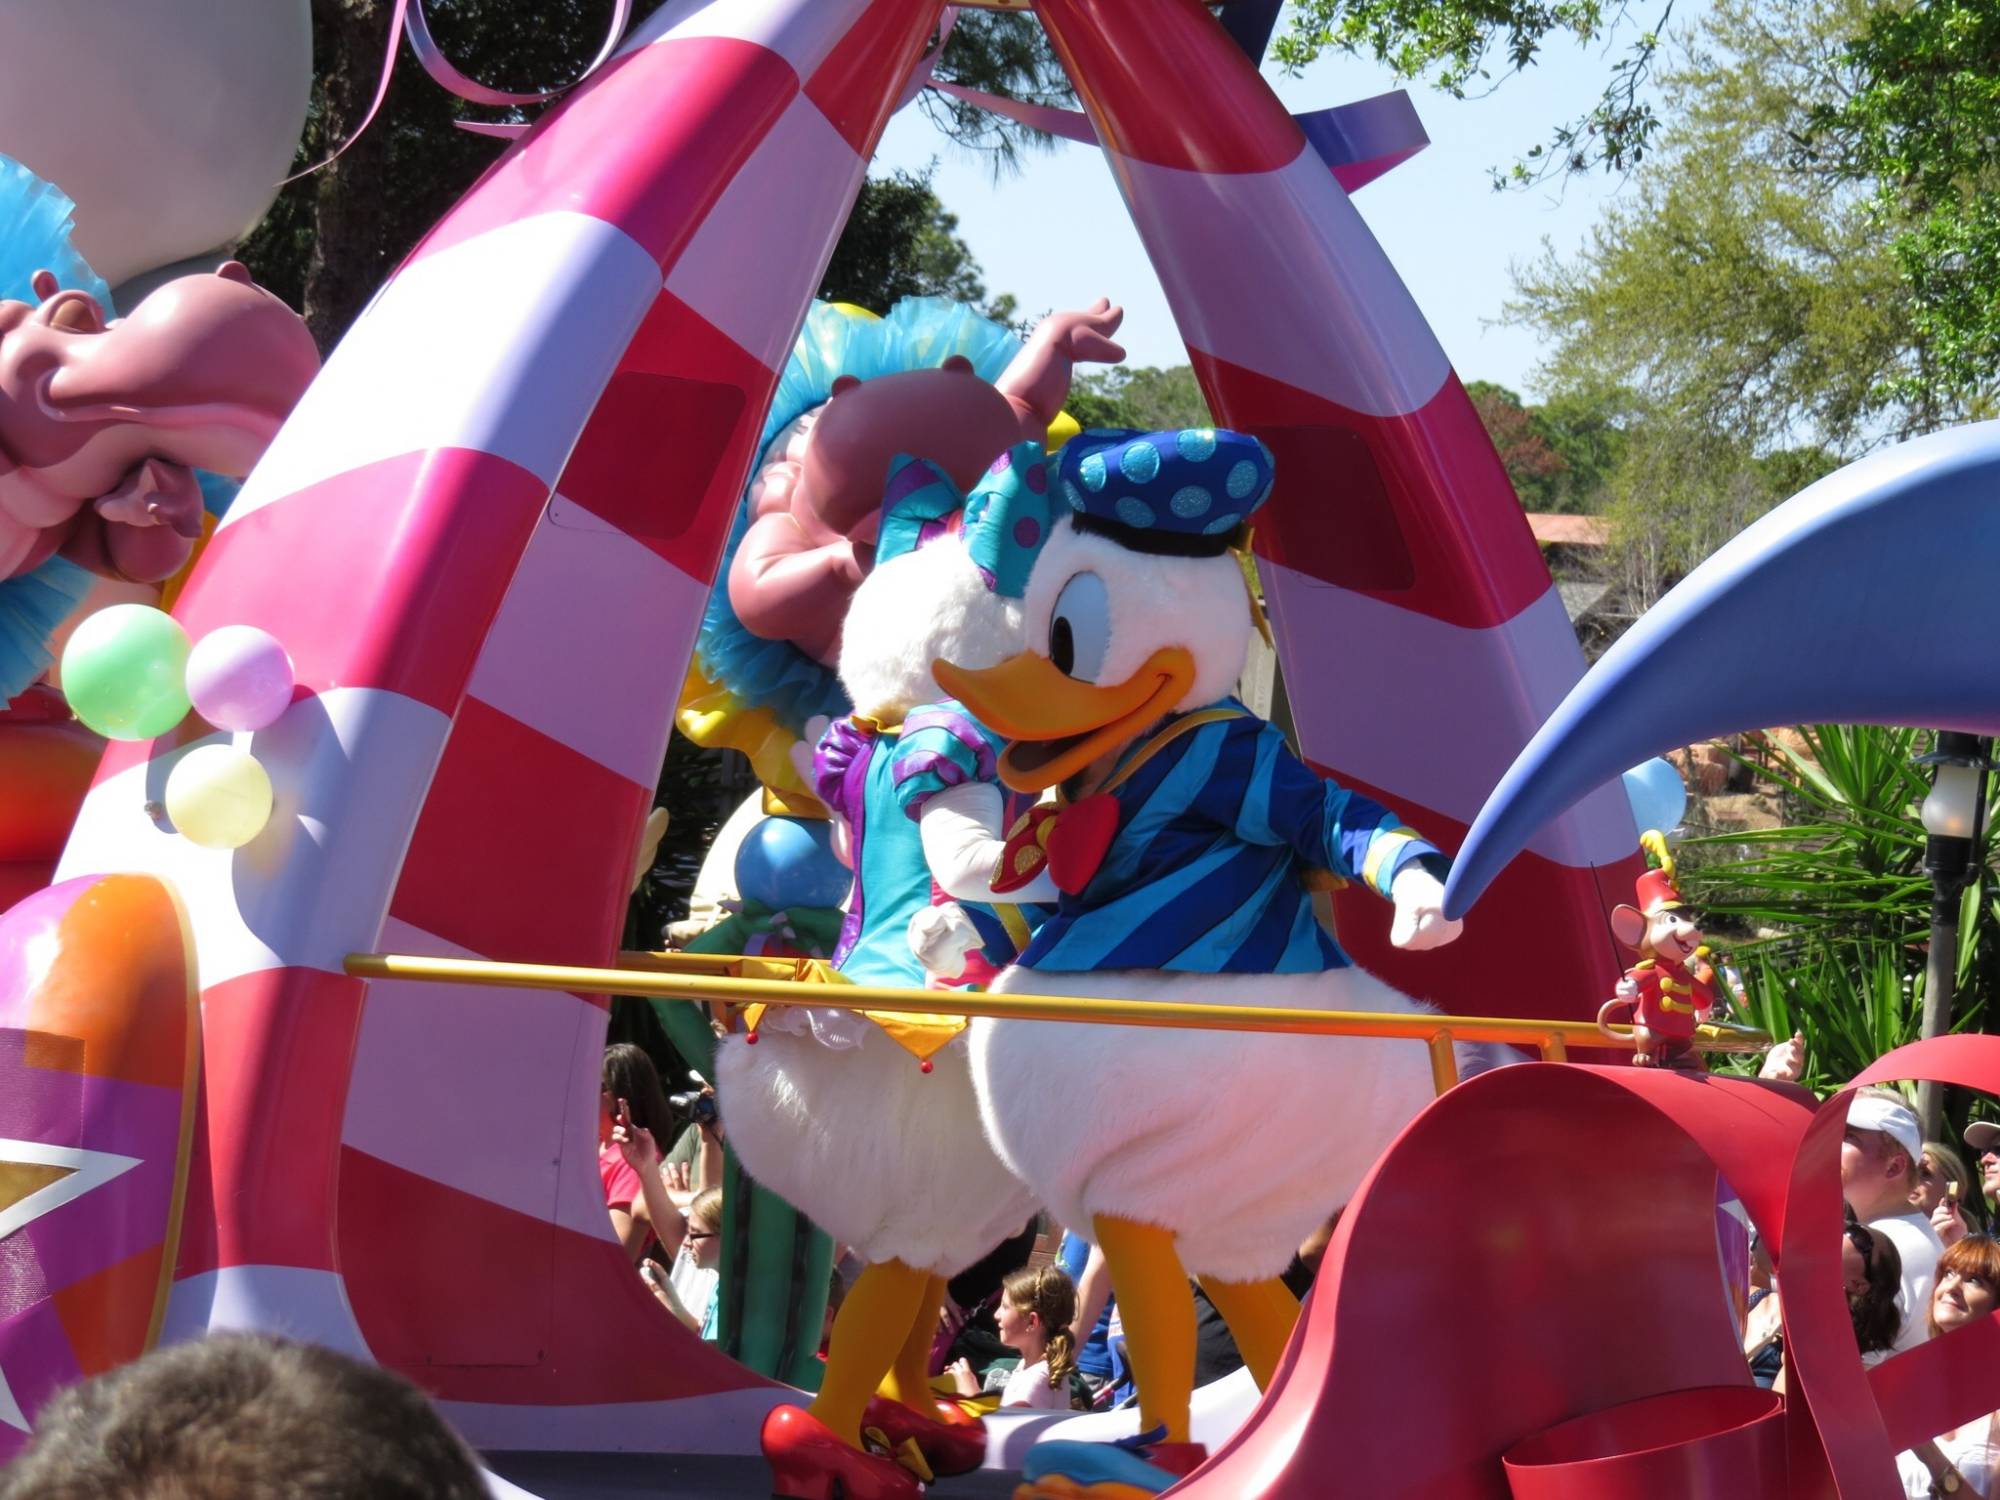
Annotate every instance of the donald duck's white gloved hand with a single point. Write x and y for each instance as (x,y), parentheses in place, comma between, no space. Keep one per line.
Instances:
(1420,921)
(941,936)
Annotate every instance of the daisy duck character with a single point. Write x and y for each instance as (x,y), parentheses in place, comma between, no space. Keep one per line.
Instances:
(1186,843)
(866,1121)
(1674,986)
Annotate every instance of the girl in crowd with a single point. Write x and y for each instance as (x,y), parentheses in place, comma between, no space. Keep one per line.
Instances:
(1964,1462)
(1037,1307)
(696,1279)
(1941,1190)
(631,1118)
(1874,1272)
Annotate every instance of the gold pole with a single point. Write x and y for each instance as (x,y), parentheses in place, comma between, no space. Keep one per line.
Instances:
(1553,1050)
(781,989)
(1444,1062)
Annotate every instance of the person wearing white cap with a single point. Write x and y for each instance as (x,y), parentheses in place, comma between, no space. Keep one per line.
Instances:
(1878,1167)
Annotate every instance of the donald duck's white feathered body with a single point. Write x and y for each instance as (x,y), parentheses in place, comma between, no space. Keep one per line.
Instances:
(1186,849)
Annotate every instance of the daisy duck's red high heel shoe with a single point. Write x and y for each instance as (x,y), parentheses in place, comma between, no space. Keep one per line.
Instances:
(948,1447)
(809,1462)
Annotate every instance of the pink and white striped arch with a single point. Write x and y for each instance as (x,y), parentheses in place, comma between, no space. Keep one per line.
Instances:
(1421,639)
(486,537)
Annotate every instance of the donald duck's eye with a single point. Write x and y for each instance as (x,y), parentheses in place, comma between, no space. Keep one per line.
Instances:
(1080,628)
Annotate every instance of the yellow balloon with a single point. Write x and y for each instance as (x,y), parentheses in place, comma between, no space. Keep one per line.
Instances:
(219,797)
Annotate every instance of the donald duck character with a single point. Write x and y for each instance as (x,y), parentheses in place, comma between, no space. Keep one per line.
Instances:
(867,1121)
(1186,842)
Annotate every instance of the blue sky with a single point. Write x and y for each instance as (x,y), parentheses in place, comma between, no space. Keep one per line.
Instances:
(1056,235)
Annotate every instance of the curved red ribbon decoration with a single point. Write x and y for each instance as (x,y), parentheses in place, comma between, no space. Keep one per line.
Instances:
(1539,1247)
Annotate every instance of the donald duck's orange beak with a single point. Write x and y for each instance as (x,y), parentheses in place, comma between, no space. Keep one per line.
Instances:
(1058,724)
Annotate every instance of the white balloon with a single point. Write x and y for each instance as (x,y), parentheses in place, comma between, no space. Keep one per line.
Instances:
(170,123)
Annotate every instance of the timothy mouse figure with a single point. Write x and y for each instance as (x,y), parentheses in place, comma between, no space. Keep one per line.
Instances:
(1185,845)
(1673,986)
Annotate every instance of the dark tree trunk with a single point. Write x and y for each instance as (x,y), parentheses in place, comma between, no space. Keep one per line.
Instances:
(349,253)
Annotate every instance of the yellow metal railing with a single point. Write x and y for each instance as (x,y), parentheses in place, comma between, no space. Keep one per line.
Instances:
(738,980)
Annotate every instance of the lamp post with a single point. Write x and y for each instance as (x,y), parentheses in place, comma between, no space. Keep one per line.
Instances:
(1953,814)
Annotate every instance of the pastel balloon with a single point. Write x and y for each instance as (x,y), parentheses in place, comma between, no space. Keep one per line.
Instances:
(239,677)
(1657,794)
(788,862)
(124,672)
(219,797)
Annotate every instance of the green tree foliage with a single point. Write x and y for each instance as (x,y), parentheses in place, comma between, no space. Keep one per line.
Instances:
(900,242)
(1743,296)
(1148,398)
(1841,900)
(1458,45)
(1922,126)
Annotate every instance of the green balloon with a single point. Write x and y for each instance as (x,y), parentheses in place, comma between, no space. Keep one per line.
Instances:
(124,672)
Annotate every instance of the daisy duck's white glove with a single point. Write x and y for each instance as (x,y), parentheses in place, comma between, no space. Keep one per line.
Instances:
(941,937)
(1420,921)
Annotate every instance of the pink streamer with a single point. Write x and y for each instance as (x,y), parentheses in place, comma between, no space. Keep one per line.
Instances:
(408,18)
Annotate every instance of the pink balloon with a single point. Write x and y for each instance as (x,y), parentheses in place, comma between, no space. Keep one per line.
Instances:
(239,677)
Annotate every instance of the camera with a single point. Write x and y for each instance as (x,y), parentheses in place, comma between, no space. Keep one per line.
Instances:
(699,1108)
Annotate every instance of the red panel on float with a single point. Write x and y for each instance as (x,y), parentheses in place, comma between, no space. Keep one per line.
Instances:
(1507,962)
(648,144)
(857,85)
(441,1281)
(1169,62)
(489,808)
(666,452)
(1453,544)
(439,584)
(277,1047)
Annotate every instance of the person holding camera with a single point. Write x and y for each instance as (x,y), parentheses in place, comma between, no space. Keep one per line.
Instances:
(632,1111)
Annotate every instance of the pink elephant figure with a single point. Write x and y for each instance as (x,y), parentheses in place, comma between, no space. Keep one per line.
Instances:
(102,422)
(817,501)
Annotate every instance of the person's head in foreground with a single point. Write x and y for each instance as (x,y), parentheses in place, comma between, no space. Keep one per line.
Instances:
(243,1417)
(1878,1155)
(1968,1283)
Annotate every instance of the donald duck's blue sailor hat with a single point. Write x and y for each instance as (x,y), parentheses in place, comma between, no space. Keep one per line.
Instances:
(1183,493)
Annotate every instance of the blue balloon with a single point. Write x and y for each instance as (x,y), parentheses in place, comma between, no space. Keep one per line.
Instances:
(788,862)
(1658,795)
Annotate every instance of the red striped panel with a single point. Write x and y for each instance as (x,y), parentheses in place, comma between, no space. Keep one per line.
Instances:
(275,1053)
(423,546)
(1415,510)
(524,848)
(667,450)
(476,1302)
(1537,945)
(646,145)
(1160,89)
(857,85)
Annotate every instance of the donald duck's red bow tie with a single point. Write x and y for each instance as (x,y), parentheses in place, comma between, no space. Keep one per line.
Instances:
(1068,841)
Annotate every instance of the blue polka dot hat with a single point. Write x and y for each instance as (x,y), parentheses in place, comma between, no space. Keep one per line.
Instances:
(1185,493)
